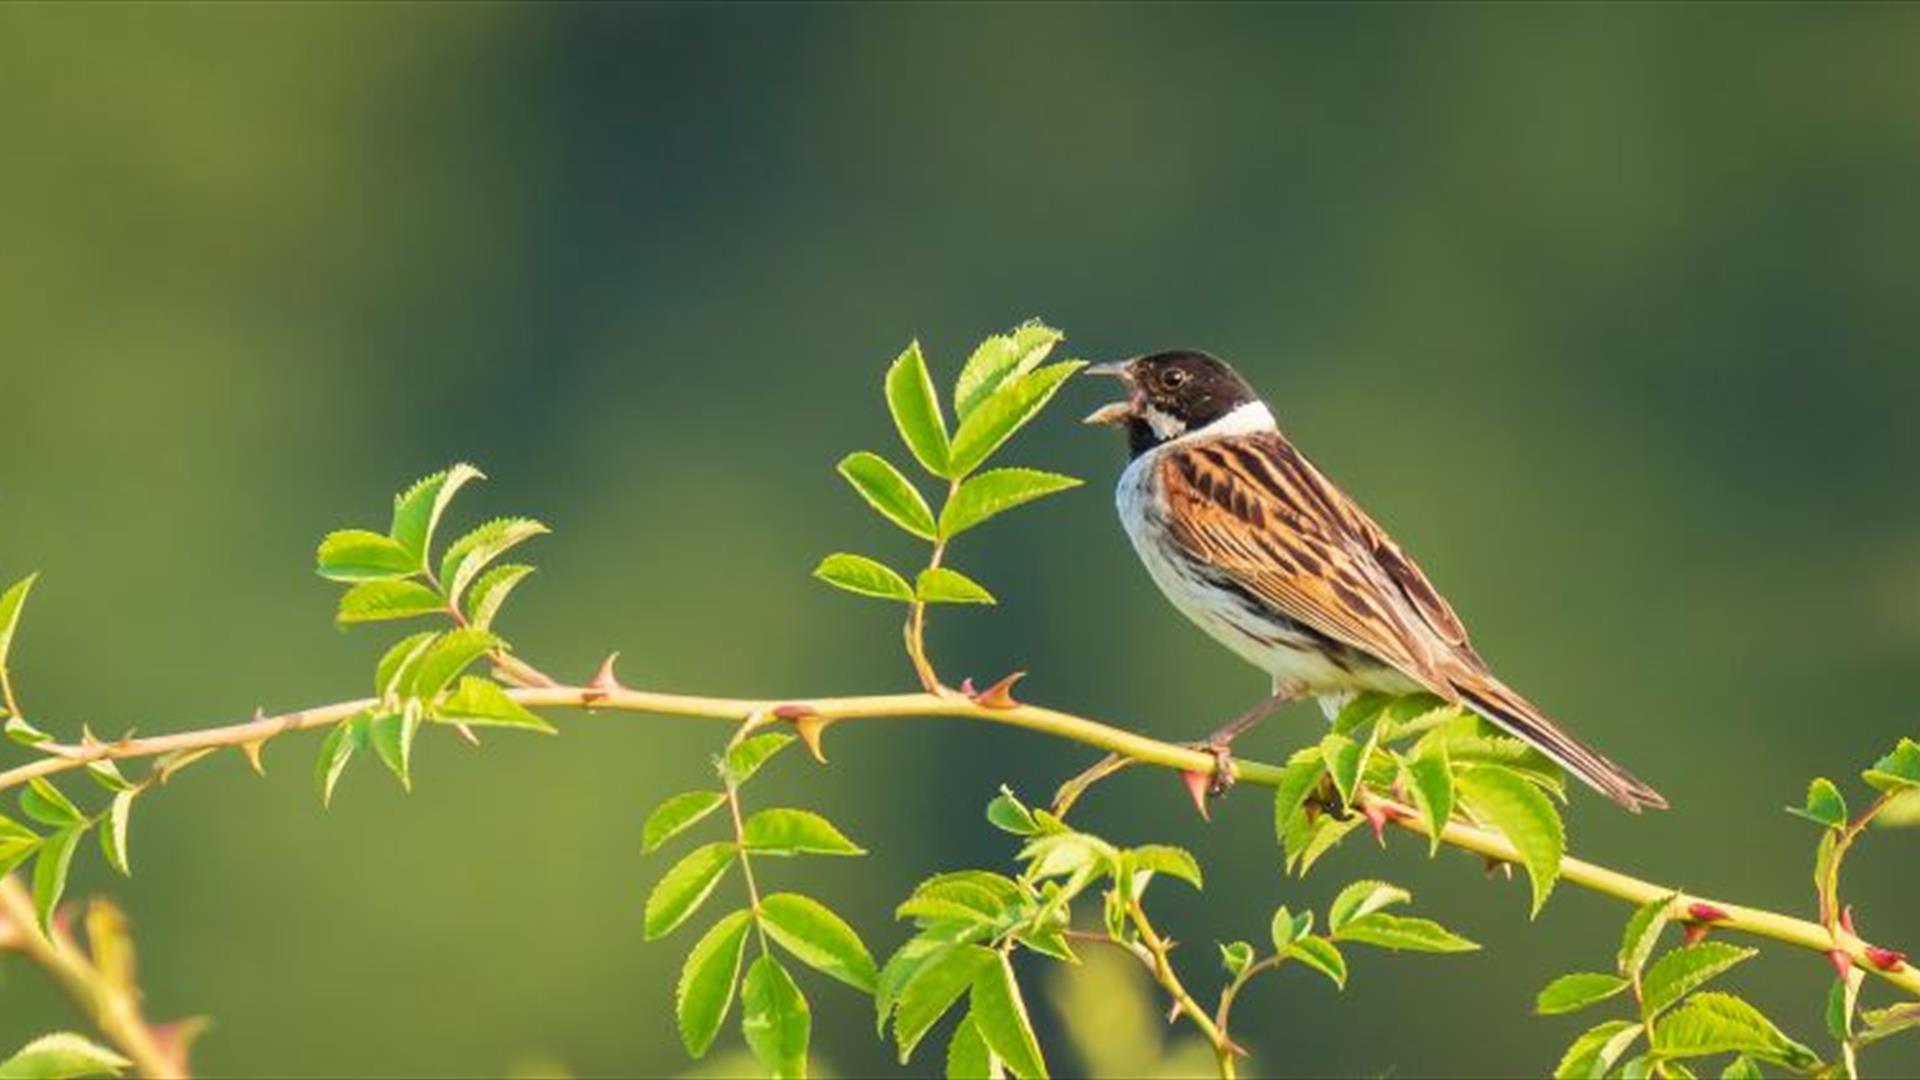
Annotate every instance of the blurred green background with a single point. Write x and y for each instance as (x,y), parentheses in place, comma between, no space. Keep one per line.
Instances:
(1609,312)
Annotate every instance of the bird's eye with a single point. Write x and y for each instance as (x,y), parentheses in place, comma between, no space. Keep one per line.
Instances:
(1173,377)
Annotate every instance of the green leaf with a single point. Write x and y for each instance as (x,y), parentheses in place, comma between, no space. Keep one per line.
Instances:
(24,733)
(943,585)
(1004,412)
(1825,805)
(967,1055)
(1009,814)
(1236,957)
(360,555)
(380,601)
(466,557)
(775,1020)
(1570,993)
(17,844)
(682,890)
(113,836)
(392,735)
(11,602)
(1900,769)
(859,574)
(50,865)
(394,673)
(1322,956)
(966,895)
(1595,1051)
(932,990)
(336,750)
(1685,970)
(889,492)
(1321,836)
(1891,1020)
(1001,1015)
(1712,1023)
(1430,781)
(1298,778)
(994,492)
(451,654)
(916,410)
(479,702)
(1642,934)
(1402,933)
(1166,859)
(705,990)
(48,805)
(1288,928)
(417,511)
(1344,758)
(1742,1067)
(999,358)
(676,815)
(1528,819)
(1840,1003)
(796,832)
(745,759)
(1358,711)
(1363,898)
(818,938)
(61,1056)
(489,593)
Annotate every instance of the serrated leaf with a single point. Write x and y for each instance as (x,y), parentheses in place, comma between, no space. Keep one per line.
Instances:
(17,844)
(1298,778)
(1430,782)
(889,492)
(1322,956)
(944,585)
(1360,710)
(1685,970)
(61,1056)
(113,832)
(1525,816)
(744,760)
(1880,1023)
(994,492)
(1742,1067)
(1236,957)
(450,655)
(676,815)
(933,988)
(967,1055)
(11,602)
(1401,933)
(775,1019)
(394,673)
(1824,806)
(795,832)
(1287,928)
(818,938)
(417,511)
(916,410)
(336,750)
(867,577)
(1363,898)
(1004,412)
(50,865)
(1344,758)
(391,735)
(1642,934)
(907,962)
(999,358)
(1570,993)
(682,890)
(705,991)
(1000,1013)
(380,601)
(361,555)
(1899,769)
(1589,1054)
(1009,814)
(18,730)
(489,593)
(480,702)
(1712,1023)
(1166,859)
(48,805)
(468,556)
(1323,836)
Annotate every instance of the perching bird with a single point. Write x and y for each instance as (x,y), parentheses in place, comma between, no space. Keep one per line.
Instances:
(1253,544)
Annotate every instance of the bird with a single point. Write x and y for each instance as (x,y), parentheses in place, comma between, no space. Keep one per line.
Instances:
(1254,544)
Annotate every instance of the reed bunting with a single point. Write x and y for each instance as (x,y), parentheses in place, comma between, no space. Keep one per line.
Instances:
(1253,544)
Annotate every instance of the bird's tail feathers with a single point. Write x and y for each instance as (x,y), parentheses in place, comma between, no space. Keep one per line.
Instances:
(1523,720)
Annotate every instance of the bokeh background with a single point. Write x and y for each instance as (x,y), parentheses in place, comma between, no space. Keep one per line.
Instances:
(1609,312)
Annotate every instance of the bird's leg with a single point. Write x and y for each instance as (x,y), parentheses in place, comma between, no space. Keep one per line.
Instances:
(1220,743)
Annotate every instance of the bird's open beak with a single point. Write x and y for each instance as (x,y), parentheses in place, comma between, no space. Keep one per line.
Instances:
(1118,412)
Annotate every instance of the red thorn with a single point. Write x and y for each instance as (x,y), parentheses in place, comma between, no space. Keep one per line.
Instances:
(966,687)
(1886,959)
(1694,932)
(1701,911)
(604,680)
(1846,920)
(792,711)
(1000,694)
(1198,785)
(809,726)
(1377,818)
(1841,962)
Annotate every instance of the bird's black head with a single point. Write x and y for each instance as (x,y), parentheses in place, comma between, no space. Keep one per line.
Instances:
(1171,394)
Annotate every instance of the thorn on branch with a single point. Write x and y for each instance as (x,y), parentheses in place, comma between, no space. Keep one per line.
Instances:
(1701,911)
(1499,866)
(997,696)
(1694,932)
(1885,959)
(1846,920)
(807,724)
(1199,786)
(1842,963)
(604,683)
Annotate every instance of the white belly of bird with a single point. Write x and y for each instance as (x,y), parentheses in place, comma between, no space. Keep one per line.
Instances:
(1266,642)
